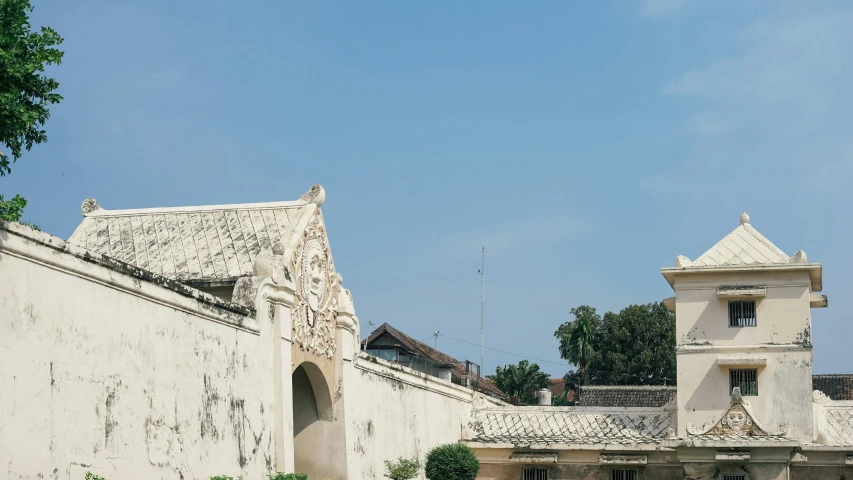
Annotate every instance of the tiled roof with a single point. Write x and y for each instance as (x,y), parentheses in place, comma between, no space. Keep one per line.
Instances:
(423,350)
(743,246)
(626,396)
(569,425)
(835,386)
(209,242)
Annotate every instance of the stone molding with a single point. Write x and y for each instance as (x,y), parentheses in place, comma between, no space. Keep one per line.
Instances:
(732,456)
(533,457)
(620,459)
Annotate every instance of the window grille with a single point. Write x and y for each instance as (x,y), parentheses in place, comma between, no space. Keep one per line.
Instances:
(742,314)
(734,476)
(746,380)
(534,474)
(623,475)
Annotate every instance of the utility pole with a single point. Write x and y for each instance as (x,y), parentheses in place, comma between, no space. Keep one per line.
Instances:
(482,306)
(435,342)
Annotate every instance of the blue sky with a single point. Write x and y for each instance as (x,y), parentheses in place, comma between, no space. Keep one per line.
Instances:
(584,144)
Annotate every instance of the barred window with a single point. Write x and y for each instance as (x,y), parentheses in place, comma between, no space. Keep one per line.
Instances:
(534,474)
(746,380)
(742,314)
(623,475)
(734,476)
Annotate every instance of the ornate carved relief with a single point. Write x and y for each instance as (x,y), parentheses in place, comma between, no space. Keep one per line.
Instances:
(737,421)
(315,306)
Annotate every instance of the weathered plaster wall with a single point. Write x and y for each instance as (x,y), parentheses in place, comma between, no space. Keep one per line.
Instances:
(392,411)
(782,335)
(104,371)
(828,472)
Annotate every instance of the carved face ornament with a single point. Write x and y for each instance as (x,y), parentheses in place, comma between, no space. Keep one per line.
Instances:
(736,420)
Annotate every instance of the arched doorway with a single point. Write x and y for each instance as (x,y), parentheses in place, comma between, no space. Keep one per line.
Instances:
(319,447)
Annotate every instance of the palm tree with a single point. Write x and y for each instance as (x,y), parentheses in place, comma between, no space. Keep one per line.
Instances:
(577,340)
(520,381)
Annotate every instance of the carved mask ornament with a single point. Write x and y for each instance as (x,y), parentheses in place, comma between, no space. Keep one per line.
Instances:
(315,308)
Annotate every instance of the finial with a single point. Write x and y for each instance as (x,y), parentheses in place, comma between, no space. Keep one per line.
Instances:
(316,195)
(744,219)
(89,206)
(736,396)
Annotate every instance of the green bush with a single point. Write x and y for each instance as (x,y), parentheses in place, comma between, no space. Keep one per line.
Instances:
(289,476)
(402,469)
(92,476)
(453,461)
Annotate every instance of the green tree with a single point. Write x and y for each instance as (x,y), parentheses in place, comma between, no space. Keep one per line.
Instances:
(637,347)
(402,469)
(578,339)
(520,380)
(633,347)
(453,461)
(25,92)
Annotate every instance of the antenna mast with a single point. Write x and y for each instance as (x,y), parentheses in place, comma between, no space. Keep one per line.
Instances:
(482,306)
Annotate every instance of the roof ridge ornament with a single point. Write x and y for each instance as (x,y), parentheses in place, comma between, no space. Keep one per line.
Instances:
(89,205)
(799,257)
(744,218)
(316,195)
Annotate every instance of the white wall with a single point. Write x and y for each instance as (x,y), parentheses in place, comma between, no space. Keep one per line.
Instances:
(106,371)
(393,411)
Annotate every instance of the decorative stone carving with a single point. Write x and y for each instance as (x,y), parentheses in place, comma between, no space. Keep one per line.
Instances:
(799,257)
(744,219)
(670,433)
(820,398)
(316,195)
(315,306)
(89,206)
(736,421)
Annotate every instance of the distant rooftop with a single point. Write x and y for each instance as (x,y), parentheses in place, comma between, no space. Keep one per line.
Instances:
(834,386)
(626,396)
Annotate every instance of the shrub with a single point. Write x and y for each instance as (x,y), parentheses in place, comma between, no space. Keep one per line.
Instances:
(289,476)
(92,476)
(402,469)
(453,461)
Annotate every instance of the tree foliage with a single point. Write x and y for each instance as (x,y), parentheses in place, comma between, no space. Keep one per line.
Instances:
(453,461)
(25,92)
(520,380)
(633,347)
(402,468)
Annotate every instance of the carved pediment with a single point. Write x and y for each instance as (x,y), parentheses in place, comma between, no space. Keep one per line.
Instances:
(737,421)
(315,306)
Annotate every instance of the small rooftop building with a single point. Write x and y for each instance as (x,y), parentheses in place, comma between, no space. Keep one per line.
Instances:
(388,343)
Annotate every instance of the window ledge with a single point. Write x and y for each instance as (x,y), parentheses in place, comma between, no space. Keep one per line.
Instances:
(741,292)
(741,360)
